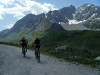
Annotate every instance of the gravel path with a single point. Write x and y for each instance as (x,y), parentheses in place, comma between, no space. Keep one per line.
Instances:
(12,62)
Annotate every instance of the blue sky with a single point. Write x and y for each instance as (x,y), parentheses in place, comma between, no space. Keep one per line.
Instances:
(13,10)
(76,3)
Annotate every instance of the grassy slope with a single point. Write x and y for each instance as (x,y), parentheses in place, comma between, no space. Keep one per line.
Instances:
(82,46)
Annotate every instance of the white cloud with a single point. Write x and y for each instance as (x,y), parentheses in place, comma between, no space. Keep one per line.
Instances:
(18,8)
(3,27)
(1,18)
(42,8)
(1,11)
(8,26)
(6,1)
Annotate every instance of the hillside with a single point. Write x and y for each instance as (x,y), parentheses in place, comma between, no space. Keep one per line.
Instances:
(31,28)
(80,46)
(72,27)
(81,43)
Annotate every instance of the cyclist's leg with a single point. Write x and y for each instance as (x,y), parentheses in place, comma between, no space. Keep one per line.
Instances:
(38,52)
(26,48)
(22,49)
(35,51)
(24,52)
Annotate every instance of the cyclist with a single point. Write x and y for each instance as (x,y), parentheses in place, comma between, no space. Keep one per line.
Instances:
(23,43)
(37,45)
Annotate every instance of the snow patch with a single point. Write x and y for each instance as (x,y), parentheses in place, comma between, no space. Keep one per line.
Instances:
(62,23)
(97,58)
(88,5)
(75,21)
(92,15)
(82,9)
(96,9)
(73,15)
(97,18)
(52,13)
(46,16)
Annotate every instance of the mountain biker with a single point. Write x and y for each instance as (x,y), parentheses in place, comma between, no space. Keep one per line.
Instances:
(37,45)
(23,43)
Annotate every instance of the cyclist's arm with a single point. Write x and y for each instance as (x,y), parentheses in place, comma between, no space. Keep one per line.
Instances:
(27,41)
(40,43)
(33,44)
(20,42)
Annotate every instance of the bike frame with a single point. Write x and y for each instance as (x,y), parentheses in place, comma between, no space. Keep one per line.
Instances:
(23,50)
(37,54)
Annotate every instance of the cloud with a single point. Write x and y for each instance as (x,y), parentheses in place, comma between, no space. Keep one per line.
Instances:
(3,27)
(6,2)
(42,8)
(1,18)
(8,26)
(1,11)
(19,8)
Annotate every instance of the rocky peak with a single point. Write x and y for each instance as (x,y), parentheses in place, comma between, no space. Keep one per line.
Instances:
(87,11)
(61,15)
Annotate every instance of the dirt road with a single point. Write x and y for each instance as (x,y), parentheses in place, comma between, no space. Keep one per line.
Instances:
(12,62)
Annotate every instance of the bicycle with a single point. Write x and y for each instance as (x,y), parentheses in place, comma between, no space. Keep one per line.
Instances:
(24,51)
(37,55)
(36,44)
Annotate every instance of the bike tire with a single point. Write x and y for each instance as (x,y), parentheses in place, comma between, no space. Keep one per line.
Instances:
(24,52)
(37,56)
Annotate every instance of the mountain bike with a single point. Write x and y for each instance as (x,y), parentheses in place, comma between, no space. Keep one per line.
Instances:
(37,54)
(24,51)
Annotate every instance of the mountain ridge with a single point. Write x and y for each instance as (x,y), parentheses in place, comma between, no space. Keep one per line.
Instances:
(42,22)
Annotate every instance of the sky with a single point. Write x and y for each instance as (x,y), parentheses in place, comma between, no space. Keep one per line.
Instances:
(13,10)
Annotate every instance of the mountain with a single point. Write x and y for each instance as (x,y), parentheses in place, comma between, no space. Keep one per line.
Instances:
(41,23)
(31,26)
(81,42)
(4,33)
(87,11)
(83,17)
(23,23)
(54,21)
(19,25)
(93,24)
(61,15)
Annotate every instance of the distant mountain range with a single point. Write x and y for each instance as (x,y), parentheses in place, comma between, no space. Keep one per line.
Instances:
(54,21)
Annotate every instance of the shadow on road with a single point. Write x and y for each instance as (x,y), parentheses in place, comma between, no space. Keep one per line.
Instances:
(43,62)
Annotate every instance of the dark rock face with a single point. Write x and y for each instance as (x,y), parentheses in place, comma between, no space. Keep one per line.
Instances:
(61,15)
(4,33)
(87,11)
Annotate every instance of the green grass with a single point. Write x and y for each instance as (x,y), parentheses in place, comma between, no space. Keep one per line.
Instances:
(82,46)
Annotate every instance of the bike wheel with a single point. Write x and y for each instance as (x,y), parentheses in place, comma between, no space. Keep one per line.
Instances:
(38,59)
(37,56)
(24,52)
